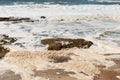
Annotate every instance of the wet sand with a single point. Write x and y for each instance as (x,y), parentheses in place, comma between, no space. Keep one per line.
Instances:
(21,59)
(59,74)
(9,75)
(55,74)
(51,74)
(110,73)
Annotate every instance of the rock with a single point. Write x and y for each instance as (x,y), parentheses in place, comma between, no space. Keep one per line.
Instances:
(3,51)
(4,39)
(61,43)
(42,17)
(56,46)
(15,20)
(87,44)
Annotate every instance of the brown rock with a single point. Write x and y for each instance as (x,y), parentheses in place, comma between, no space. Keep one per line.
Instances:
(3,51)
(60,43)
(55,46)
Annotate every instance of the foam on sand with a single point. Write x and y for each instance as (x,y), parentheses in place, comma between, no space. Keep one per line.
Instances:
(82,62)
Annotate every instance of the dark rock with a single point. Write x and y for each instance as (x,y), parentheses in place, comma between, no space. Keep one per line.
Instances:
(15,20)
(4,39)
(48,41)
(5,18)
(87,44)
(56,46)
(3,51)
(61,20)
(43,17)
(60,43)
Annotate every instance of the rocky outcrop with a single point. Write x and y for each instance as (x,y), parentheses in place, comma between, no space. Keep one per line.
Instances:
(3,51)
(12,19)
(61,43)
(5,39)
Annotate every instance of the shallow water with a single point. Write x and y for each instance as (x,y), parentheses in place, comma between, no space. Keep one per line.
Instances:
(29,35)
(91,22)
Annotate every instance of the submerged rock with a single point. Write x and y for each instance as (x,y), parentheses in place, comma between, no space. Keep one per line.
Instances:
(3,51)
(5,39)
(60,43)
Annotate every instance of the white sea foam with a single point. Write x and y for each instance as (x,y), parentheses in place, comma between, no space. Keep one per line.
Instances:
(58,10)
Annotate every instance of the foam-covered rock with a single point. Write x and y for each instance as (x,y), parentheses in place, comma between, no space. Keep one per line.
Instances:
(5,39)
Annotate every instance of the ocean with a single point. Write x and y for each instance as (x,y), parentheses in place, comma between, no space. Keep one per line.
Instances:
(63,2)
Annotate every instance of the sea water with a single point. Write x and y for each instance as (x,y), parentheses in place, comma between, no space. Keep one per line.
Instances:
(11,2)
(95,21)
